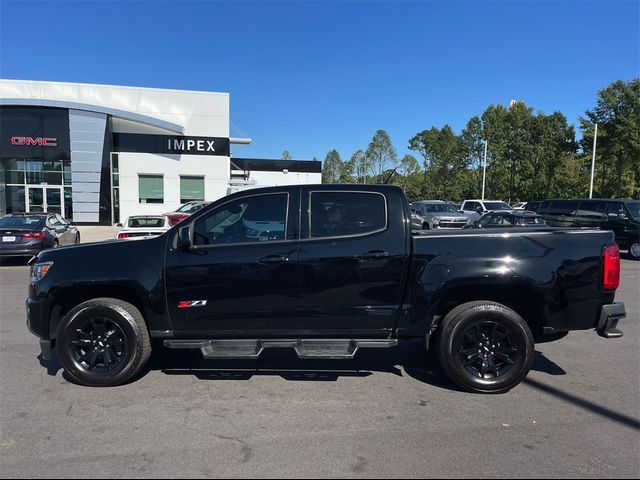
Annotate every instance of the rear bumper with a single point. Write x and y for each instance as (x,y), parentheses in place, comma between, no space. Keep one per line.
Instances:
(17,251)
(610,315)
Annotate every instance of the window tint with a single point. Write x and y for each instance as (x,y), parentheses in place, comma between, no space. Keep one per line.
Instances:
(149,222)
(563,207)
(254,219)
(151,188)
(543,207)
(486,220)
(22,222)
(336,214)
(592,210)
(468,206)
(497,206)
(616,209)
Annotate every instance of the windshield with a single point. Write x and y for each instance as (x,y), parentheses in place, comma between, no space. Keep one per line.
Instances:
(440,208)
(634,209)
(185,208)
(497,206)
(26,222)
(148,222)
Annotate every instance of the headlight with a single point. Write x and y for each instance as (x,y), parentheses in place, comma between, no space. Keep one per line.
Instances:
(39,270)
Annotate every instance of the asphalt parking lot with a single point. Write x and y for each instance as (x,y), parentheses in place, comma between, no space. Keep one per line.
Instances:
(384,414)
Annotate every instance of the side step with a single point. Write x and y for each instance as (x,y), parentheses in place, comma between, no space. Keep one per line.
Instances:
(305,349)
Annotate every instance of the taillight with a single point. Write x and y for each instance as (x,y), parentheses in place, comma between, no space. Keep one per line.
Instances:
(611,277)
(33,235)
(123,235)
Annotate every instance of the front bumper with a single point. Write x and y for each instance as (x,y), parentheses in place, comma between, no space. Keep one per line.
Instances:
(610,315)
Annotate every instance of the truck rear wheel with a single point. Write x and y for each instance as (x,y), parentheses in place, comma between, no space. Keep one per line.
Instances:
(485,347)
(103,342)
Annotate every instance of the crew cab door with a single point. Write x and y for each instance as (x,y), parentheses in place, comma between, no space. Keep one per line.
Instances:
(240,280)
(354,251)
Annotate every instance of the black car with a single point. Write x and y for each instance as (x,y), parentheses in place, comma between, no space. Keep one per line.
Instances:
(506,218)
(622,216)
(27,234)
(325,270)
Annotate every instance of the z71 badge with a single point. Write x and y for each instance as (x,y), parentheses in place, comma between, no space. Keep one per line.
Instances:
(192,303)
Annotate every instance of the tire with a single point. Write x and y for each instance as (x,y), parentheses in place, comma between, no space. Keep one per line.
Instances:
(505,344)
(103,342)
(77,240)
(55,244)
(425,226)
(634,250)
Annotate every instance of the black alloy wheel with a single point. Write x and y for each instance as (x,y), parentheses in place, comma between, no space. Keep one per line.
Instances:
(103,342)
(487,350)
(485,347)
(99,346)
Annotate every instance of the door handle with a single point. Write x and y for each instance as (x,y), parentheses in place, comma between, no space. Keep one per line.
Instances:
(275,259)
(376,254)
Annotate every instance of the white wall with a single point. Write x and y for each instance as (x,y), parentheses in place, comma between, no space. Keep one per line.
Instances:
(214,169)
(198,113)
(274,179)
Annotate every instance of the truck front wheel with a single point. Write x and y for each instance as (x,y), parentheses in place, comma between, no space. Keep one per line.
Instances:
(485,347)
(103,342)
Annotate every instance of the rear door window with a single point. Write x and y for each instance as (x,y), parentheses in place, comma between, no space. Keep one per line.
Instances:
(563,207)
(344,214)
(592,210)
(616,210)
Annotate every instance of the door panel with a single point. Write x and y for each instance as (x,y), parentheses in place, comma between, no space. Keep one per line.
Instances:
(350,282)
(36,200)
(54,200)
(243,275)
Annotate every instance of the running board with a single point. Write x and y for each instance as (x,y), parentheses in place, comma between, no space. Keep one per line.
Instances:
(305,349)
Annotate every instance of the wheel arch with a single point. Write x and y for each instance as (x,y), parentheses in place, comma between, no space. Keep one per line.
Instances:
(67,299)
(521,298)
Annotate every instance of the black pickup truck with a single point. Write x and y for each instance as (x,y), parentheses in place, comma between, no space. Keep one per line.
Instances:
(325,270)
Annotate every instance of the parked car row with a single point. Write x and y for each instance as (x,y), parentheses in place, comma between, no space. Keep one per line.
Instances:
(622,216)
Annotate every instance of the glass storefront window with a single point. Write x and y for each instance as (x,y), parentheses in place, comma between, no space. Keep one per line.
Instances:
(151,188)
(15,199)
(68,203)
(191,189)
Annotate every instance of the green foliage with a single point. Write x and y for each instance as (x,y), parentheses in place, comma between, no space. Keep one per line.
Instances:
(332,167)
(286,155)
(617,113)
(530,155)
(380,154)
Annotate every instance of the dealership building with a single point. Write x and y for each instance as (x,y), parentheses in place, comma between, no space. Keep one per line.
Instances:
(100,153)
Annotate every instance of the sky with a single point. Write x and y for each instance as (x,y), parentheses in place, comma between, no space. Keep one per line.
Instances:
(309,76)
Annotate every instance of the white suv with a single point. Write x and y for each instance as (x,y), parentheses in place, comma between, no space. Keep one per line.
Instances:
(474,209)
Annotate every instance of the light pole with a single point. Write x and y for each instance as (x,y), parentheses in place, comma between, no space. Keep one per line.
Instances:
(593,160)
(484,172)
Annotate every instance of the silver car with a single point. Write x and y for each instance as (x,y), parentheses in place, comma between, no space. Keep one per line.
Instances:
(436,214)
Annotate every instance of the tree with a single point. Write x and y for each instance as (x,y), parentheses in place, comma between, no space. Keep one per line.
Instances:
(332,167)
(443,162)
(380,154)
(617,113)
(361,166)
(286,155)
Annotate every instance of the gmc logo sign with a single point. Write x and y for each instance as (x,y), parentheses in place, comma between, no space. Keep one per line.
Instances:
(40,141)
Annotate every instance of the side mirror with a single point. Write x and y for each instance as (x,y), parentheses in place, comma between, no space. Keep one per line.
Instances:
(480,210)
(184,239)
(119,225)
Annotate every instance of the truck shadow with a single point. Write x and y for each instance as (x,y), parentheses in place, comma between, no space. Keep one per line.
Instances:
(410,358)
